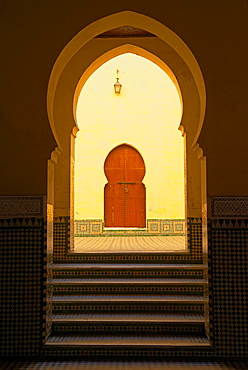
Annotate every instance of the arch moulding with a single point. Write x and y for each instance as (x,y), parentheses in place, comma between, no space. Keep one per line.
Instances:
(84,54)
(68,70)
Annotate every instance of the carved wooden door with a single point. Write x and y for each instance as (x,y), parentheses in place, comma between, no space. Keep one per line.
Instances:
(124,194)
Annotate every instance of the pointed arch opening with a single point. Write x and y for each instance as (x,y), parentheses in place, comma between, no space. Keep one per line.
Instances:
(77,58)
(147,115)
(83,51)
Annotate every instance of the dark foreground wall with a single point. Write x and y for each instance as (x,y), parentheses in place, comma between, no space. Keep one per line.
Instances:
(32,35)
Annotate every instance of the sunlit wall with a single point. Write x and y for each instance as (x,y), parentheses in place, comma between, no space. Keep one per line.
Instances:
(145,115)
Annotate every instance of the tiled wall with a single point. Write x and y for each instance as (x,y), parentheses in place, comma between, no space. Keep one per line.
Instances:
(61,237)
(48,263)
(228,260)
(194,236)
(154,226)
(226,295)
(26,245)
(25,316)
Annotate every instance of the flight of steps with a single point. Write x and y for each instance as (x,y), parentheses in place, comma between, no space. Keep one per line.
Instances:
(99,305)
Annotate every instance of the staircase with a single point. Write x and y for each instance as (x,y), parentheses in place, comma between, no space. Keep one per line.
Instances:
(132,305)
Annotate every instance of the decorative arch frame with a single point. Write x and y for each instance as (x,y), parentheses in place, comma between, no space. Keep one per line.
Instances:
(189,68)
(81,57)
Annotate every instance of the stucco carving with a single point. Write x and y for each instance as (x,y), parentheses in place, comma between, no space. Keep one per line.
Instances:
(229,207)
(21,206)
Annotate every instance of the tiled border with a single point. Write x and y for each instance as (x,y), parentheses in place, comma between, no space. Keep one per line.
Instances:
(228,207)
(88,227)
(96,227)
(61,246)
(22,206)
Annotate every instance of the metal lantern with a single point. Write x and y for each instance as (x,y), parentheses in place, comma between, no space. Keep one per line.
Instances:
(117,86)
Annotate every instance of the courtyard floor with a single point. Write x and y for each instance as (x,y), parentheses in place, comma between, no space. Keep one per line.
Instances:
(121,244)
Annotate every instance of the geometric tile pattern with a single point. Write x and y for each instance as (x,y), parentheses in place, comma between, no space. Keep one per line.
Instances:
(48,275)
(61,237)
(154,226)
(21,206)
(178,227)
(128,289)
(130,308)
(229,207)
(22,254)
(125,328)
(96,227)
(82,227)
(194,239)
(22,275)
(229,282)
(167,273)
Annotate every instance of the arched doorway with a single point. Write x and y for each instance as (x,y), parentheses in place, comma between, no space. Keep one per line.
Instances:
(124,194)
(81,57)
(173,52)
(146,115)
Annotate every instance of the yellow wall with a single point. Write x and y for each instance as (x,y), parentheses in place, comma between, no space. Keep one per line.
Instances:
(145,115)
(33,40)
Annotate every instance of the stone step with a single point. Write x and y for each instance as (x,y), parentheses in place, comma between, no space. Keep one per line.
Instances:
(129,303)
(136,281)
(128,298)
(126,341)
(131,327)
(127,274)
(128,286)
(127,318)
(128,323)
(128,266)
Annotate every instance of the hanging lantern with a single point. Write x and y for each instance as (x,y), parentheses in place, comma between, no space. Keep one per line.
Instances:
(117,86)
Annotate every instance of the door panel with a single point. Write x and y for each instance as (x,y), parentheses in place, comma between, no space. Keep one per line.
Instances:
(124,194)
(114,205)
(135,205)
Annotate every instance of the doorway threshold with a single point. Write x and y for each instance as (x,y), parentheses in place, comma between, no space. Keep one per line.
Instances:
(125,229)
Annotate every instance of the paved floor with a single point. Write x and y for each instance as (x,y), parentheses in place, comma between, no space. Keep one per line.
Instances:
(125,365)
(129,243)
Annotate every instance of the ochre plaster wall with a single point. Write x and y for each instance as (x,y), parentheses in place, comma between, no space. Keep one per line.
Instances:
(102,50)
(145,115)
(33,35)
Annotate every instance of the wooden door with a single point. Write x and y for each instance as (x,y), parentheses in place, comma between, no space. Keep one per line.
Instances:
(124,194)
